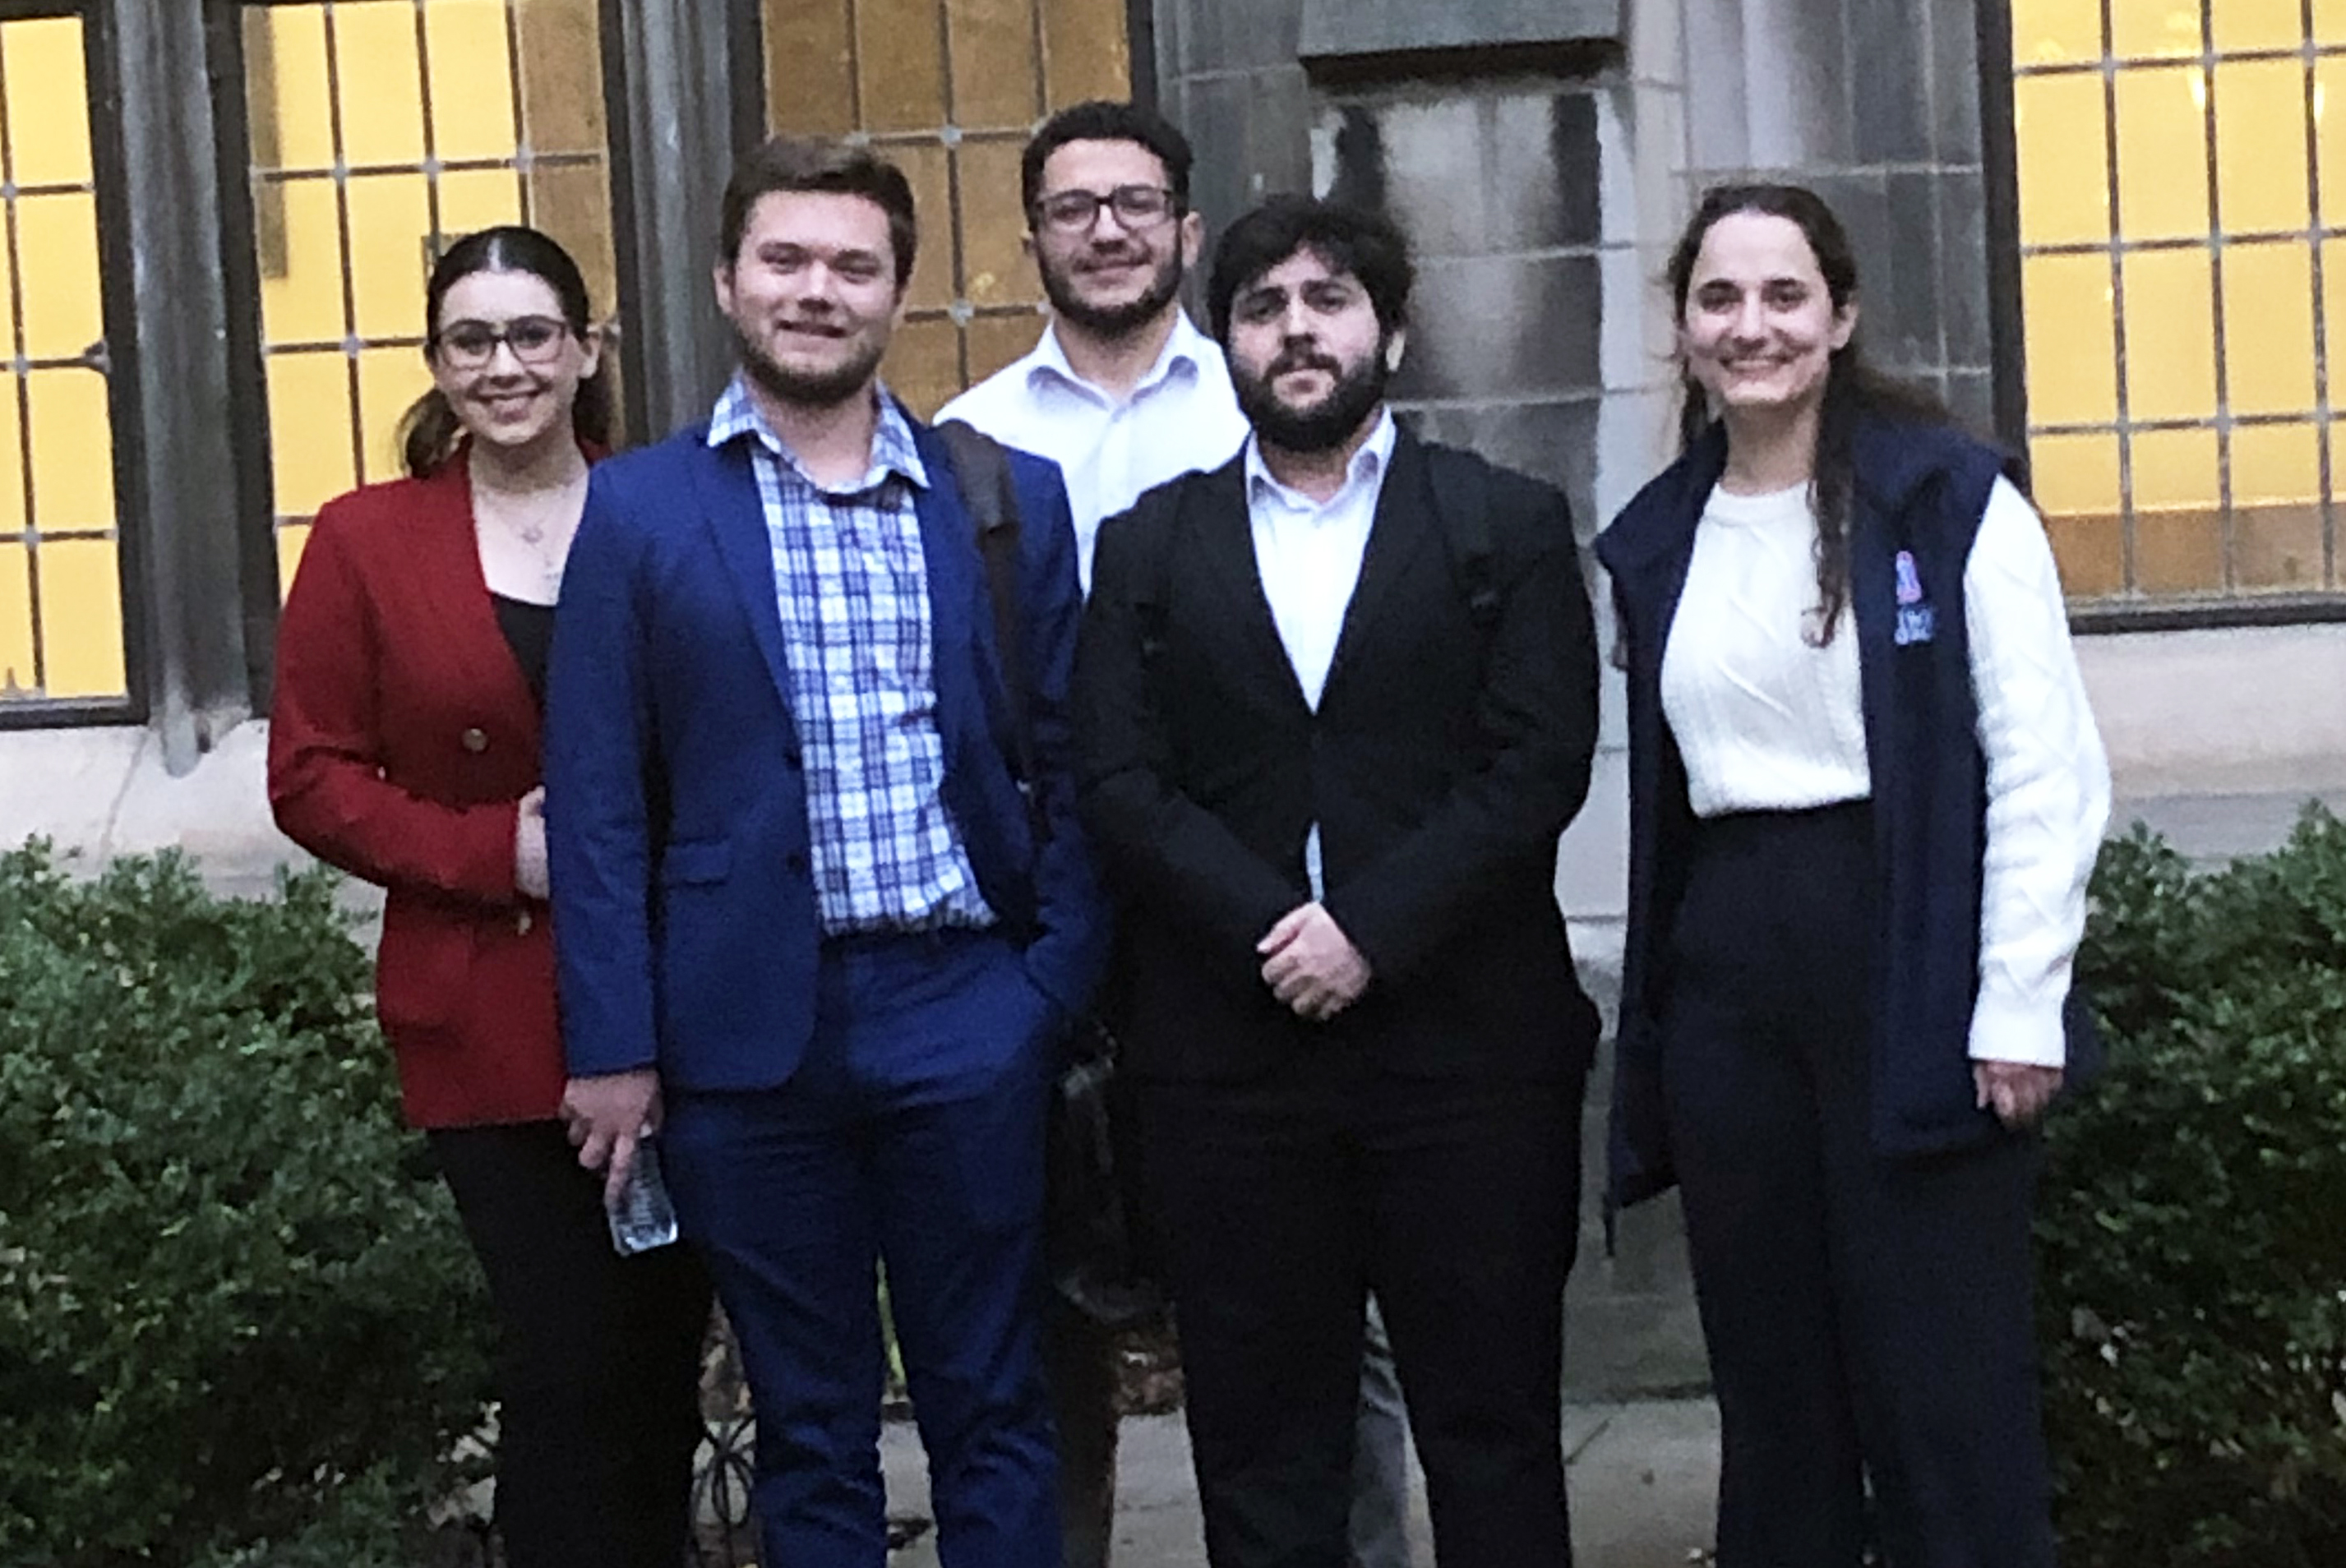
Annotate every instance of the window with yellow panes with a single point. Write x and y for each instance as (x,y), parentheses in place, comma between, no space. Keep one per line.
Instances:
(60,552)
(950,90)
(2182,196)
(381,130)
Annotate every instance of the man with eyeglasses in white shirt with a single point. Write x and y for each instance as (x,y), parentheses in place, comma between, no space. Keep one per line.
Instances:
(1125,394)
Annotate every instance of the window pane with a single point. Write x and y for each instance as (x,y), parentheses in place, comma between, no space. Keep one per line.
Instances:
(73,450)
(44,64)
(16,678)
(2064,173)
(2170,335)
(378,81)
(56,260)
(13,516)
(473,109)
(995,270)
(810,67)
(301,299)
(923,364)
(81,617)
(996,78)
(2277,507)
(561,69)
(2072,348)
(2330,126)
(2140,29)
(2258,24)
(390,253)
(900,52)
(2261,146)
(2075,479)
(310,431)
(2269,327)
(2162,154)
(390,381)
(1086,54)
(285,70)
(2179,537)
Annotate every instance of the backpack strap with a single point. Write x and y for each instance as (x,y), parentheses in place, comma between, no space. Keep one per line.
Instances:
(1462,499)
(981,467)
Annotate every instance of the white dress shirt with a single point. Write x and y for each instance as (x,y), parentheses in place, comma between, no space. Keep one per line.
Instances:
(1767,722)
(1181,416)
(1308,554)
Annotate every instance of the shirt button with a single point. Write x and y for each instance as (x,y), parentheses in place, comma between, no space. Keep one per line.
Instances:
(475,739)
(523,922)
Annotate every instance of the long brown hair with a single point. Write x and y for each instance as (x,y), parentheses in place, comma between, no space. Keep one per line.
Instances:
(1853,386)
(430,431)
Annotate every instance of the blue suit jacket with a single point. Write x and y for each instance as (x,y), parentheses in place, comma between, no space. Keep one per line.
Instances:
(684,909)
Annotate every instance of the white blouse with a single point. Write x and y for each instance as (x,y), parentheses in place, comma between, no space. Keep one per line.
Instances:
(1767,722)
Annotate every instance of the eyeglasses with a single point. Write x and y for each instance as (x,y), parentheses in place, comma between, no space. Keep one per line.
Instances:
(1136,207)
(470,345)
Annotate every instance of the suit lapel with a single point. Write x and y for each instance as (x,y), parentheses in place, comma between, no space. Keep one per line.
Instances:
(1225,558)
(949,551)
(1405,520)
(727,486)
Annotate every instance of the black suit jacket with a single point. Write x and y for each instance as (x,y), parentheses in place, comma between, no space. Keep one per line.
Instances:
(1448,752)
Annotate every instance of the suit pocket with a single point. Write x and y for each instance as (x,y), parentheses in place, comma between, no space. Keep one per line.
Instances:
(423,967)
(692,860)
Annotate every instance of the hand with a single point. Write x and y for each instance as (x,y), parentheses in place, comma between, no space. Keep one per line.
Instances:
(1311,966)
(607,1115)
(2017,1092)
(529,846)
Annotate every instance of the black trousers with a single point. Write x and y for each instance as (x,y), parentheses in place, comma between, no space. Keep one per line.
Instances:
(1280,1203)
(598,1357)
(1869,1319)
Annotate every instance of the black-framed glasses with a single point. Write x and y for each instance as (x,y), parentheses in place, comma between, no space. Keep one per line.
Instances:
(1136,207)
(470,345)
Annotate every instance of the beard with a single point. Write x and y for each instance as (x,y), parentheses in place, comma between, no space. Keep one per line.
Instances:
(811,389)
(1112,321)
(1326,424)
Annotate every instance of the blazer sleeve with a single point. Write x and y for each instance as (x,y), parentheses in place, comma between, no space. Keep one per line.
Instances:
(1538,708)
(1070,952)
(599,741)
(326,783)
(1173,853)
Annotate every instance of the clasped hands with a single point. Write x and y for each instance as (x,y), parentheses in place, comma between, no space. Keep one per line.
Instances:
(1311,965)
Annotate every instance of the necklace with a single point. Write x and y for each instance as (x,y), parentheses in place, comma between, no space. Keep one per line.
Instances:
(542,527)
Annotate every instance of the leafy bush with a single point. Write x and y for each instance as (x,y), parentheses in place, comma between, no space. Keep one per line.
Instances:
(2193,1226)
(235,1308)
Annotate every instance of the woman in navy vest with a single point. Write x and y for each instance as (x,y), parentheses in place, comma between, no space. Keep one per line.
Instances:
(1866,792)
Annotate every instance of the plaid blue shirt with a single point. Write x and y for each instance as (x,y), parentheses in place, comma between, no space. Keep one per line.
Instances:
(852,586)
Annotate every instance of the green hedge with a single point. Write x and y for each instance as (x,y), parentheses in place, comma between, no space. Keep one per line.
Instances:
(2193,1224)
(237,1318)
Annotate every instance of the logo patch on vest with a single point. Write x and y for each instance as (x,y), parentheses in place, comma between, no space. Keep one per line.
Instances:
(1917,622)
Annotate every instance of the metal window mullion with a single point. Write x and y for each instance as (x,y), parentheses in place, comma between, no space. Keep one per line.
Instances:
(2129,575)
(19,352)
(951,136)
(343,225)
(2315,235)
(524,158)
(430,142)
(2225,522)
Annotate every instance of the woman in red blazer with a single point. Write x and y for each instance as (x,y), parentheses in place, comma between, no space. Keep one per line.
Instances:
(404,748)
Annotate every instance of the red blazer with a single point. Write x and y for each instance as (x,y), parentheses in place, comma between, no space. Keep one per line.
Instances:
(402,735)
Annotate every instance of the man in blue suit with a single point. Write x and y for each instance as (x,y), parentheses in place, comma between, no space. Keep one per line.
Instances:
(813,926)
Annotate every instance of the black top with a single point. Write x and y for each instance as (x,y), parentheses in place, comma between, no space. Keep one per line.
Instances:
(529,632)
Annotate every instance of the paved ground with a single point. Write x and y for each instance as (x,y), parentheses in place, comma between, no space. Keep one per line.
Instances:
(1642,1478)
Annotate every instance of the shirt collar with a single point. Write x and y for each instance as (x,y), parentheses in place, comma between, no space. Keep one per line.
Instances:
(1368,468)
(1179,356)
(893,450)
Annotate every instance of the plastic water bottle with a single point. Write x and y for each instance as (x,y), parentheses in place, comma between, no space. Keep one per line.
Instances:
(641,1217)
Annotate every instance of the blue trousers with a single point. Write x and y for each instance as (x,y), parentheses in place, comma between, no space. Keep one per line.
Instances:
(911,1136)
(1870,1320)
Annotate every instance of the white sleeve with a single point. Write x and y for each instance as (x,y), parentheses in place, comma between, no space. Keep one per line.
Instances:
(2048,785)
